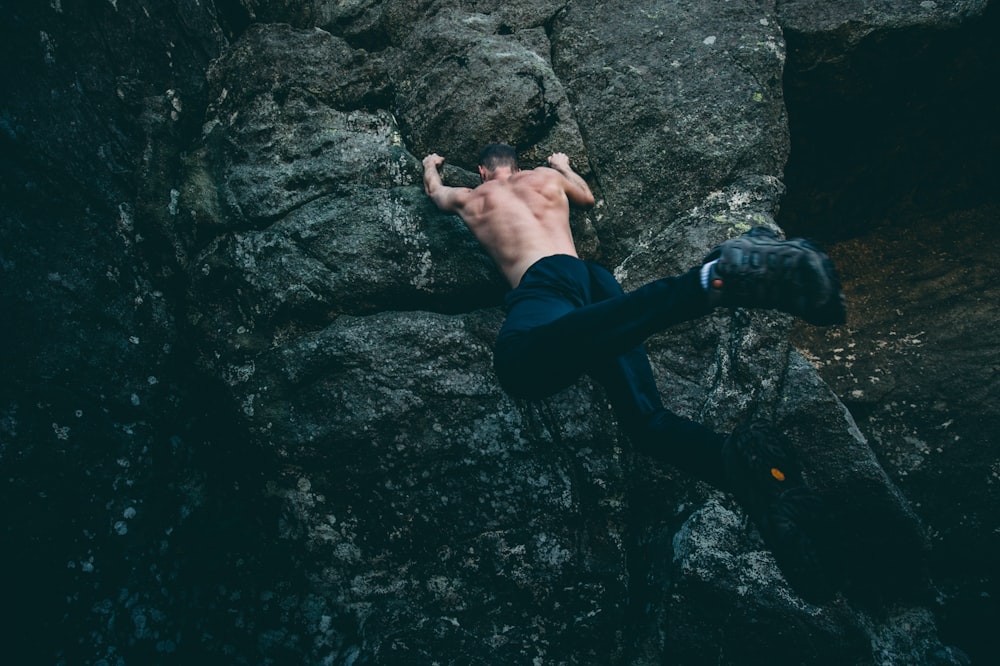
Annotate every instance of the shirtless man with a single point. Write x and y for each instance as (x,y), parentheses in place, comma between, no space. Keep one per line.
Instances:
(567,317)
(518,216)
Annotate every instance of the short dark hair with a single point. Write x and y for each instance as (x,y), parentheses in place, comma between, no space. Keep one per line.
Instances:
(496,155)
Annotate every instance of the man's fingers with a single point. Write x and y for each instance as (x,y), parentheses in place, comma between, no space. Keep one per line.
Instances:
(434,160)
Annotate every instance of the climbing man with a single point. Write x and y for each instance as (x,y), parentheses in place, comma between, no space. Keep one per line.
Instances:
(566,317)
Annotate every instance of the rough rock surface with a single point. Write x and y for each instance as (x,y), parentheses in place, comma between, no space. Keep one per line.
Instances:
(251,414)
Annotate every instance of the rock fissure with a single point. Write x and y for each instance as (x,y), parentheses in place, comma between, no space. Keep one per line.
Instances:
(888,170)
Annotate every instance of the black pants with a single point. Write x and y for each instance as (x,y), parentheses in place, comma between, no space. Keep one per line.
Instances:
(569,317)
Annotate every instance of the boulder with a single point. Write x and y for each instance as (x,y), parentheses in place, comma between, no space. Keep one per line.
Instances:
(252,415)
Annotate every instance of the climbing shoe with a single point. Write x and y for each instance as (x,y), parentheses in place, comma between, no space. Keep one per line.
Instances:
(758,270)
(763,475)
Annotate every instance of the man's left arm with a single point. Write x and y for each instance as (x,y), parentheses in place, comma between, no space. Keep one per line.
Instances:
(448,199)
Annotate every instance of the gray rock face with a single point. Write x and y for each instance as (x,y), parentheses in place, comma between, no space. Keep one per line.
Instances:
(348,482)
(341,227)
(843,25)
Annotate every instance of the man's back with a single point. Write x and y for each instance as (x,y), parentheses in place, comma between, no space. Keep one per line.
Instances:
(519,217)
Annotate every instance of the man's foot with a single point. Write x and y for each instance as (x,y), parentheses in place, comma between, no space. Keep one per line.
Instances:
(758,270)
(763,475)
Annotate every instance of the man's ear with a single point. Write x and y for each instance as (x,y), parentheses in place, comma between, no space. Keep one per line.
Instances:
(482,173)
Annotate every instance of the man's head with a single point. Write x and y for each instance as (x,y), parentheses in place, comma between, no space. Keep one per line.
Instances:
(496,156)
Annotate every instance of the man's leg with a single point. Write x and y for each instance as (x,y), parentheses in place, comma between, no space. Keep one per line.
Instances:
(554,329)
(656,431)
(536,355)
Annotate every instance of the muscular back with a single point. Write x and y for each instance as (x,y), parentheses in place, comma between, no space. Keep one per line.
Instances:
(520,219)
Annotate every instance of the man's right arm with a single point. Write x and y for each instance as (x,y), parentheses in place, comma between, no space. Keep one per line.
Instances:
(448,199)
(575,186)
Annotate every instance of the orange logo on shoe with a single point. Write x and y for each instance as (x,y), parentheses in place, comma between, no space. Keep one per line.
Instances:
(778,474)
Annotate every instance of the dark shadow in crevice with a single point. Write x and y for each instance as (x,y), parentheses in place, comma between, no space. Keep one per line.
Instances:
(892,146)
(233,18)
(905,122)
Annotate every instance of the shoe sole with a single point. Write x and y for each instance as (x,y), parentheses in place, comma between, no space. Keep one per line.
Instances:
(785,509)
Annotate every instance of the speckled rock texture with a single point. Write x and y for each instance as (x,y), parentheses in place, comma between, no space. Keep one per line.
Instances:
(250,415)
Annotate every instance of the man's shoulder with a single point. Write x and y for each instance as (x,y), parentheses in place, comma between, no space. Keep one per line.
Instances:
(540,171)
(538,174)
